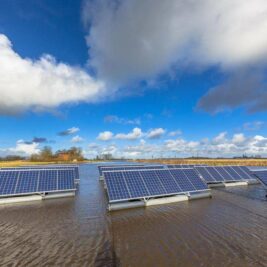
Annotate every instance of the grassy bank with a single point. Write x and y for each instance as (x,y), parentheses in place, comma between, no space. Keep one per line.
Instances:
(212,162)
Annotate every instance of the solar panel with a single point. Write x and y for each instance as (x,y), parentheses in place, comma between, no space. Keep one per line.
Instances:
(247,173)
(233,172)
(170,185)
(224,173)
(19,182)
(117,188)
(194,179)
(153,183)
(205,174)
(215,174)
(41,167)
(137,184)
(130,167)
(262,176)
(182,180)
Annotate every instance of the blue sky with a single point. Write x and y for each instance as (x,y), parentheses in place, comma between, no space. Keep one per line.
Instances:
(117,80)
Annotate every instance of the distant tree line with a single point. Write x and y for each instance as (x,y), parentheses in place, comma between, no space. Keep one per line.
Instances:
(46,154)
(12,158)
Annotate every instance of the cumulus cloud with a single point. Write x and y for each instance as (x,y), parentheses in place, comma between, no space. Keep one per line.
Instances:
(116,119)
(41,84)
(220,138)
(221,145)
(133,135)
(128,42)
(22,148)
(69,131)
(105,136)
(156,133)
(77,139)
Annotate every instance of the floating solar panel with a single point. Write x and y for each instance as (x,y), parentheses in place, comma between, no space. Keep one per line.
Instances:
(262,176)
(137,184)
(224,173)
(23,182)
(129,167)
(51,167)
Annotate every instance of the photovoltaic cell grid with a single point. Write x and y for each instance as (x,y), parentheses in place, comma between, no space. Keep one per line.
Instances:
(101,169)
(262,176)
(51,167)
(130,167)
(224,173)
(18,182)
(127,185)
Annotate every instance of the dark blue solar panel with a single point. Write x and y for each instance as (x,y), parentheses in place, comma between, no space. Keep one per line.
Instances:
(195,179)
(116,186)
(262,176)
(168,182)
(205,174)
(182,180)
(226,176)
(50,167)
(153,183)
(130,167)
(246,171)
(135,184)
(123,185)
(216,175)
(48,181)
(233,173)
(8,181)
(27,182)
(65,180)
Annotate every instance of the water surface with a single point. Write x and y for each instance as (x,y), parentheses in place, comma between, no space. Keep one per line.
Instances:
(228,230)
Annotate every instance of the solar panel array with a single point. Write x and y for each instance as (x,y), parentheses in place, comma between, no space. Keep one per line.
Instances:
(51,167)
(224,173)
(262,176)
(22,182)
(129,167)
(128,185)
(179,166)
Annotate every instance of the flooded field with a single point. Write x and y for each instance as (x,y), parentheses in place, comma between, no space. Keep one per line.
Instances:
(228,230)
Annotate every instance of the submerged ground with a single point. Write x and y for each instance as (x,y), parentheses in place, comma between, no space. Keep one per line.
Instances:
(228,230)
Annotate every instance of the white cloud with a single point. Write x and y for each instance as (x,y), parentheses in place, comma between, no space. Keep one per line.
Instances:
(155,133)
(42,84)
(174,133)
(133,135)
(220,138)
(238,138)
(76,139)
(235,145)
(21,149)
(129,42)
(105,136)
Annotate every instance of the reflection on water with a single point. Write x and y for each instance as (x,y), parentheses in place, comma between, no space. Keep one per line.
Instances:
(228,230)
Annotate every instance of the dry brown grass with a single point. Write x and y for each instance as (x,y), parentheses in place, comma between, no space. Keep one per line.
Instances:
(212,162)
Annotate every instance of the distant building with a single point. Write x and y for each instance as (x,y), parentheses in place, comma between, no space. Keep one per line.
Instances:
(63,156)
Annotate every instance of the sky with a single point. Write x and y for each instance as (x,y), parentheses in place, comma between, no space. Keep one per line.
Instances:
(137,79)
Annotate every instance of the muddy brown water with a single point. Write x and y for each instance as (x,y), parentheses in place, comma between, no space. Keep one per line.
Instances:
(228,230)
